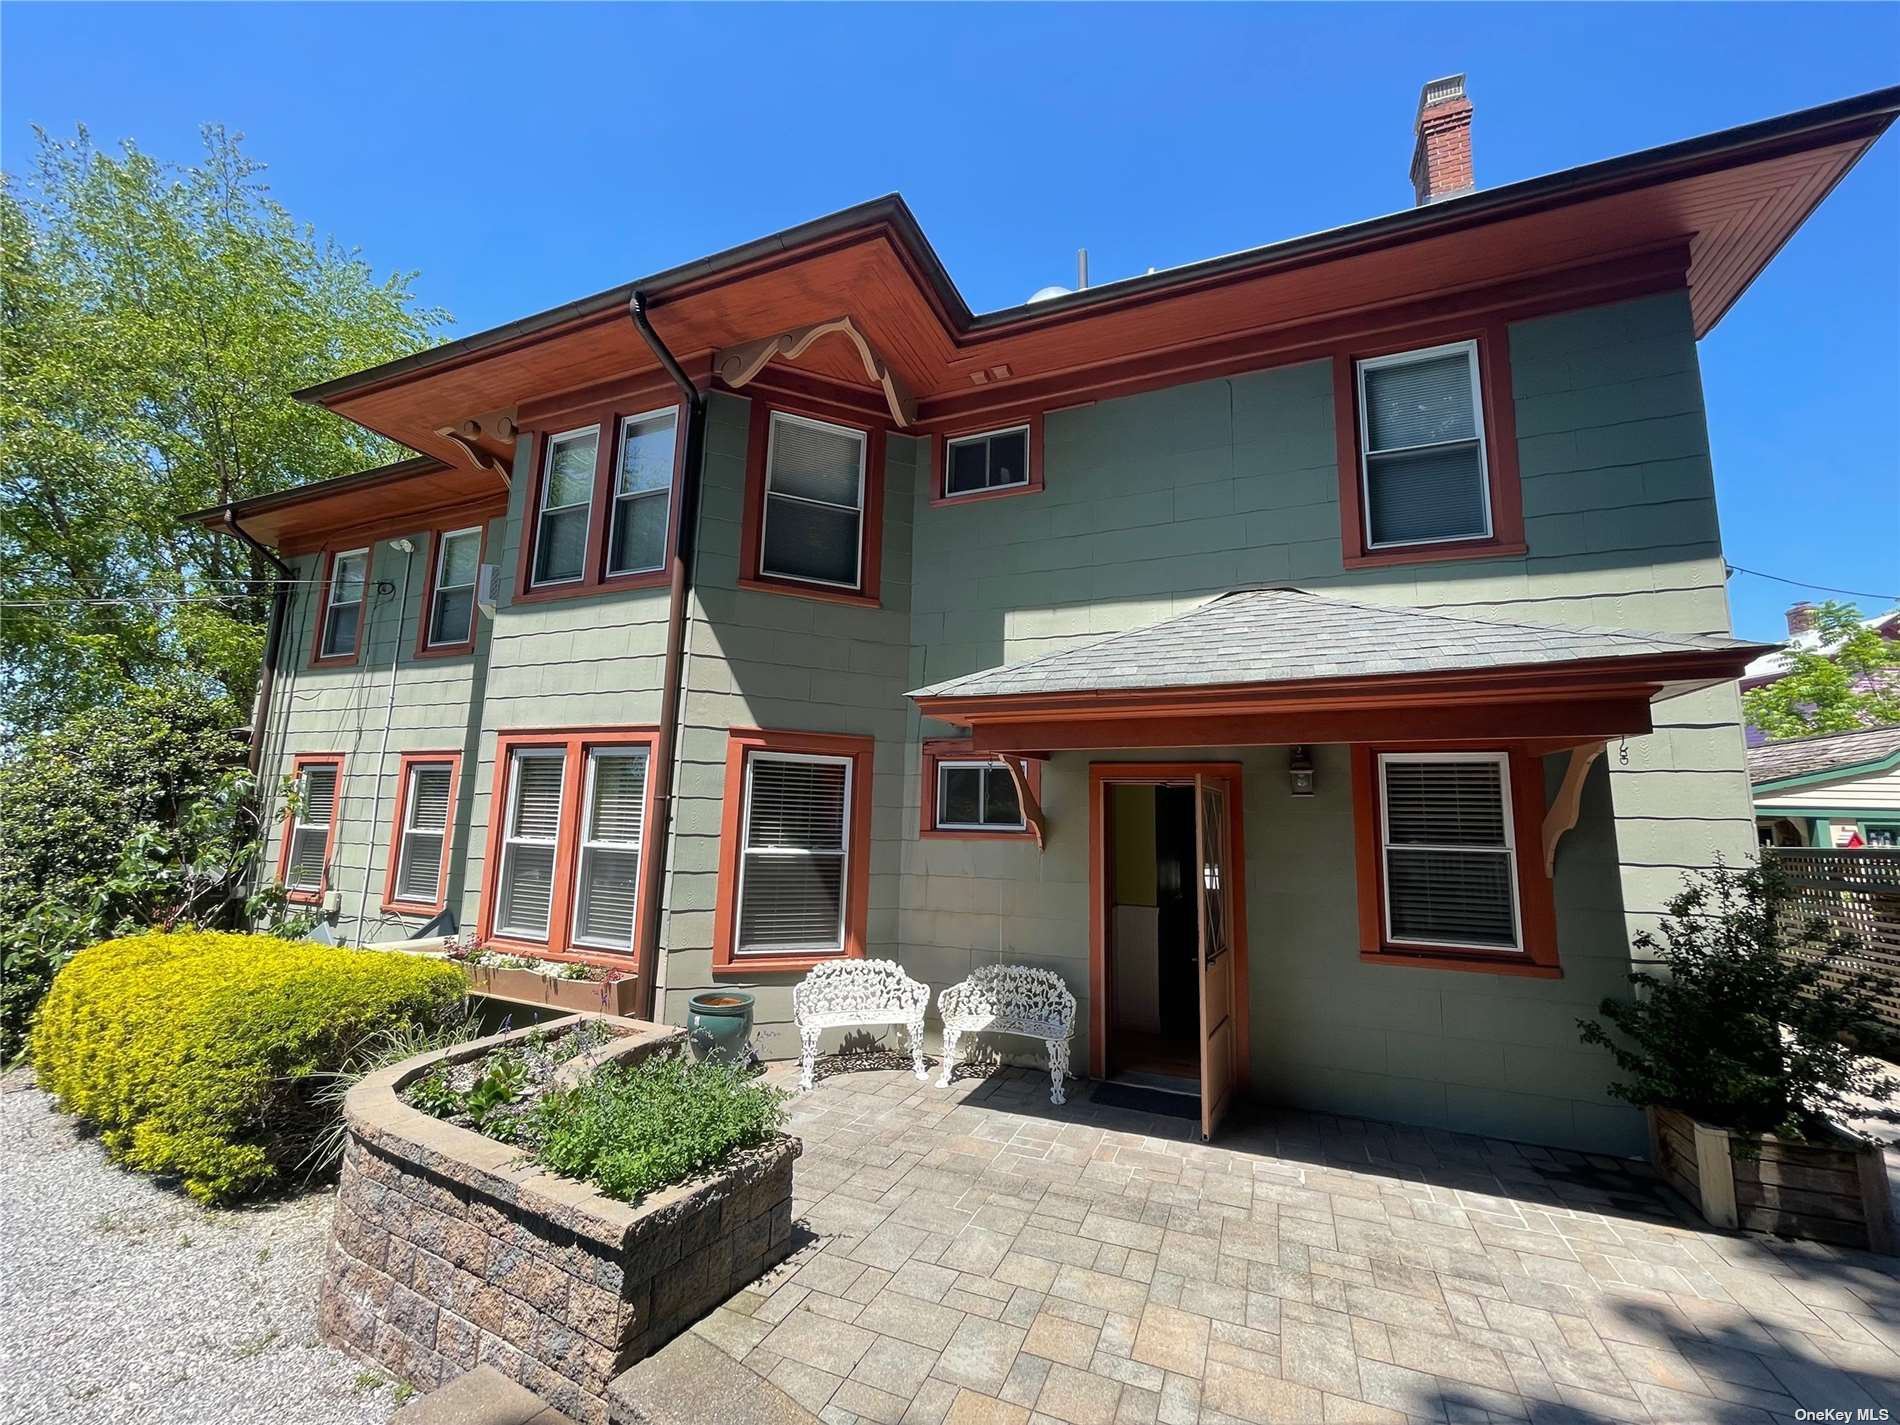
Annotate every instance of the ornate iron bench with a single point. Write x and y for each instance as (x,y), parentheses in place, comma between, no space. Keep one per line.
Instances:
(850,992)
(1011,999)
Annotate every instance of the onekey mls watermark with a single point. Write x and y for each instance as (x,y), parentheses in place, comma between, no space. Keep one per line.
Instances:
(1843,1417)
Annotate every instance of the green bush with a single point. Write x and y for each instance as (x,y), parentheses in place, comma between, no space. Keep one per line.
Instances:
(204,1053)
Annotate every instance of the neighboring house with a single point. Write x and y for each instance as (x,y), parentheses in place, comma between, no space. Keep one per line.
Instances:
(1268,613)
(1802,634)
(1835,789)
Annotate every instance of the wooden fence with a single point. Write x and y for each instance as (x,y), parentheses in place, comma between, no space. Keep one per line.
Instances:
(1858,894)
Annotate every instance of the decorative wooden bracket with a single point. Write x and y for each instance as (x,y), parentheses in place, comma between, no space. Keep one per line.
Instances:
(1568,802)
(1032,809)
(737,365)
(464,436)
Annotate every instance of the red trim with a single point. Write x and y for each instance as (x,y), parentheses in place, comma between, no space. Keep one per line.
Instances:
(341,660)
(391,900)
(574,743)
(297,764)
(957,749)
(425,649)
(940,458)
(1536,907)
(1506,494)
(752,518)
(740,744)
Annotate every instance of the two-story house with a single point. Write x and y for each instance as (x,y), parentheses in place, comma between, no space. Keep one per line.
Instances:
(1319,655)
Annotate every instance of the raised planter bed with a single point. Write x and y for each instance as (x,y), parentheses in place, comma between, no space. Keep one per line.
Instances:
(524,986)
(449,1249)
(1818,1192)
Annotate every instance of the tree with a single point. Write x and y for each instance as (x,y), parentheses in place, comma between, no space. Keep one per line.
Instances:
(1849,680)
(156,320)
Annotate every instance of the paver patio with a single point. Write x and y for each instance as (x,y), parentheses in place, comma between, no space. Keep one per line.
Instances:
(975,1256)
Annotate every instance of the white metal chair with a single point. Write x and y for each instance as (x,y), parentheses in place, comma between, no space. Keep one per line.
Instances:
(1011,999)
(851,992)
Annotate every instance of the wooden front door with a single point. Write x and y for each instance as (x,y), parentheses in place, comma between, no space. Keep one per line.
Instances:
(1212,855)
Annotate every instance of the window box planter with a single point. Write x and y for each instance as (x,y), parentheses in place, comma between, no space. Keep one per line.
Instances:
(549,991)
(1819,1192)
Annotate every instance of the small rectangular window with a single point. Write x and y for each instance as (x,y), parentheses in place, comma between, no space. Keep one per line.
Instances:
(977,796)
(1449,851)
(425,825)
(452,599)
(643,493)
(307,859)
(567,497)
(537,780)
(995,460)
(608,883)
(793,854)
(1422,447)
(343,605)
(814,503)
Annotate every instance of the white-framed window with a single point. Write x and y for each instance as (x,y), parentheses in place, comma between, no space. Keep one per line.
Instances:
(458,559)
(537,781)
(794,854)
(343,606)
(977,796)
(425,828)
(613,818)
(1449,850)
(1423,473)
(992,460)
(643,493)
(309,857)
(567,500)
(814,503)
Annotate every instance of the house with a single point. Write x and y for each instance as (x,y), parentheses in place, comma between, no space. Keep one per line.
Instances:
(1805,636)
(1319,655)
(1835,789)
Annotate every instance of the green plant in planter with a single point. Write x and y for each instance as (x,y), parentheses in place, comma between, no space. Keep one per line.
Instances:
(1739,1030)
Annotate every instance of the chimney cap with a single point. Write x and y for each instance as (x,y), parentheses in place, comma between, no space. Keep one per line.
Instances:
(1439,91)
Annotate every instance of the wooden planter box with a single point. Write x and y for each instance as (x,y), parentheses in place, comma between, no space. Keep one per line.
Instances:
(1817,1192)
(533,987)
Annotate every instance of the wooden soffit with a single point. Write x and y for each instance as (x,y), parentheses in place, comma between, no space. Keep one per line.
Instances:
(395,499)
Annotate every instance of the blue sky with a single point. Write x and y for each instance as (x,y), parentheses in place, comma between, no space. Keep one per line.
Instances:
(517,157)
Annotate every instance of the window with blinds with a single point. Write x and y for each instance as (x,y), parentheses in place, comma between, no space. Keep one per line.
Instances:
(814,503)
(343,607)
(977,796)
(607,883)
(793,855)
(1449,851)
(998,460)
(458,560)
(309,855)
(643,494)
(425,826)
(567,496)
(537,779)
(1421,432)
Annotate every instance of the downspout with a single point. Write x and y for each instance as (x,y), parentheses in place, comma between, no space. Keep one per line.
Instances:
(679,583)
(273,638)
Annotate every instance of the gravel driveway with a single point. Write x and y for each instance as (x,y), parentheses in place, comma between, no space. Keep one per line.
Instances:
(122,1300)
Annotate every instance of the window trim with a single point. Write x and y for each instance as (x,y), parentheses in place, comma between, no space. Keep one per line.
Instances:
(1500,760)
(302,897)
(1469,349)
(871,514)
(1497,424)
(1535,907)
(942,441)
(431,584)
(935,752)
(741,744)
(318,658)
(393,899)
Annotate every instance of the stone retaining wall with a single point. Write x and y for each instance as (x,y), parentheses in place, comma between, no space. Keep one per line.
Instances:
(448,1250)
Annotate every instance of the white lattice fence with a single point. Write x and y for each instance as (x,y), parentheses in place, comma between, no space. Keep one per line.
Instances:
(1857,893)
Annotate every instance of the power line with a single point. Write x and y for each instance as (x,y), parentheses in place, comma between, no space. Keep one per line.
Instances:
(1819,588)
(129,600)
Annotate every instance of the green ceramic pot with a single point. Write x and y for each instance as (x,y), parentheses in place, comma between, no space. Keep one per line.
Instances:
(719,1026)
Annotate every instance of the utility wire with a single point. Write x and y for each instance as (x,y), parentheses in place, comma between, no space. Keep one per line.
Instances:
(1819,588)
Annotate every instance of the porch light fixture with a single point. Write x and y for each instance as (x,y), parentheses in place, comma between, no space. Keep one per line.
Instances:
(1299,771)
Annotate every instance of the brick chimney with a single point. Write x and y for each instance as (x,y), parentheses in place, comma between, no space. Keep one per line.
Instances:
(1801,618)
(1441,160)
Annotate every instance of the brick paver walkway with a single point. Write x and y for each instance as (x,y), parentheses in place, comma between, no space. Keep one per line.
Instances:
(979,1257)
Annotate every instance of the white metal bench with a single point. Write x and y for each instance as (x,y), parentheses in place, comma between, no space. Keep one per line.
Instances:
(851,992)
(1011,999)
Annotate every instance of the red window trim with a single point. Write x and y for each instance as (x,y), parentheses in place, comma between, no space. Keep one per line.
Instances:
(940,458)
(574,743)
(957,749)
(752,518)
(341,660)
(740,744)
(1536,906)
(1500,445)
(425,649)
(607,418)
(297,764)
(392,901)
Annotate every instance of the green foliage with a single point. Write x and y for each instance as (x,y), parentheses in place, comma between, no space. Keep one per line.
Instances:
(402,1040)
(1741,1032)
(156,320)
(200,1053)
(1850,681)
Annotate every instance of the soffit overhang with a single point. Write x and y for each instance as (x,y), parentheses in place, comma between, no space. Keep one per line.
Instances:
(402,498)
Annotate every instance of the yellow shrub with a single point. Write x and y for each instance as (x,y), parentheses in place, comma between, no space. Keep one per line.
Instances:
(193,1052)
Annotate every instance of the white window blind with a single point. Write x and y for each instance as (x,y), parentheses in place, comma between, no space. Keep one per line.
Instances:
(1450,866)
(608,884)
(452,605)
(1421,427)
(310,832)
(643,494)
(567,494)
(425,827)
(793,857)
(536,783)
(343,617)
(977,796)
(995,461)
(814,502)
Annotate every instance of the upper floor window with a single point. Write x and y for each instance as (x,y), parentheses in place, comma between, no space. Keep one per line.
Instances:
(603,502)
(813,521)
(310,829)
(567,496)
(997,460)
(451,610)
(1447,850)
(1422,447)
(419,852)
(643,493)
(341,621)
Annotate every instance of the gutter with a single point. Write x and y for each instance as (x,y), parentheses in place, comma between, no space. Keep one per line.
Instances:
(646,957)
(273,637)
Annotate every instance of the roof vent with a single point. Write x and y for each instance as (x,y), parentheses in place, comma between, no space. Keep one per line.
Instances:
(1043,294)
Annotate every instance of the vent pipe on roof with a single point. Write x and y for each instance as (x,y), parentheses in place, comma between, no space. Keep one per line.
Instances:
(1441,157)
(1081,269)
